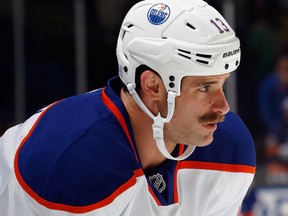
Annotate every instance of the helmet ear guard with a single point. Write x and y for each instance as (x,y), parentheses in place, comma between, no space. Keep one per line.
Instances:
(176,39)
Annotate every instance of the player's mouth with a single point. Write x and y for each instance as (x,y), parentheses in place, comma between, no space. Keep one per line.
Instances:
(211,126)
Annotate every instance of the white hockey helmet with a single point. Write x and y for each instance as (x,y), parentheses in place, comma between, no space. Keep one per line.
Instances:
(176,38)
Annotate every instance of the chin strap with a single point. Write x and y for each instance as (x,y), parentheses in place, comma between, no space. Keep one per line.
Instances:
(159,121)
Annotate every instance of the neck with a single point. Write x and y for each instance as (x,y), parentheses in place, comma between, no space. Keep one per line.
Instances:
(141,124)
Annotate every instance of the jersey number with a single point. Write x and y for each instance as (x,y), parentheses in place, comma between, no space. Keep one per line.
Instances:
(222,28)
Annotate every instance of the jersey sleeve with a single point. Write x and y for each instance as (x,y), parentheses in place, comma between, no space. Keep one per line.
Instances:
(69,158)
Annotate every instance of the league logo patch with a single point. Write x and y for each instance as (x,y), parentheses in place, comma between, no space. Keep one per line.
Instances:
(158,14)
(158,182)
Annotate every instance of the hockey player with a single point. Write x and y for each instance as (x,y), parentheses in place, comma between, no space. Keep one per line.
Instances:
(157,140)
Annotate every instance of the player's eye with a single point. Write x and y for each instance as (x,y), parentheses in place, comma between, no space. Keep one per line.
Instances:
(203,88)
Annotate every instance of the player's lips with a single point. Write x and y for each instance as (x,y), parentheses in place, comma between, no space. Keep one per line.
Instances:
(211,126)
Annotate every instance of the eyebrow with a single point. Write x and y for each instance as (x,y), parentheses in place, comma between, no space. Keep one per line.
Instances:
(208,83)
(213,82)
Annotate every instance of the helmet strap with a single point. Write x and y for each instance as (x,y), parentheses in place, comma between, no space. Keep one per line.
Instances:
(159,121)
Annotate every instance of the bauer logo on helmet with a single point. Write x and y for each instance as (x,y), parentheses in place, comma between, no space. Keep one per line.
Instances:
(158,14)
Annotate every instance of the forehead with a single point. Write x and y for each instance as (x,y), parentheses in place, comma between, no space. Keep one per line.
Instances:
(197,80)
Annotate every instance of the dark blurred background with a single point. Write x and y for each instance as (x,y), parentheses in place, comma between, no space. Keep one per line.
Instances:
(54,49)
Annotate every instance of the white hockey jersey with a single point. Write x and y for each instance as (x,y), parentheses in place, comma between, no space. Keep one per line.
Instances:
(78,157)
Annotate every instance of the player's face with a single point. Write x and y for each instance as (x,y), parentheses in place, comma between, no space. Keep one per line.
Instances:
(200,106)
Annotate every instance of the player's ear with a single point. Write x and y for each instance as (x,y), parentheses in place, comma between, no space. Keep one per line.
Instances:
(151,84)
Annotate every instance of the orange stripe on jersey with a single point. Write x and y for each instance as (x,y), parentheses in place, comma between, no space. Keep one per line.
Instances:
(112,107)
(154,196)
(88,208)
(217,166)
(181,150)
(138,172)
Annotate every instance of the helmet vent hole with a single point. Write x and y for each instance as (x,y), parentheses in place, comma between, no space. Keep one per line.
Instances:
(171,85)
(202,61)
(185,56)
(129,26)
(123,35)
(226,66)
(184,53)
(171,78)
(190,26)
(203,55)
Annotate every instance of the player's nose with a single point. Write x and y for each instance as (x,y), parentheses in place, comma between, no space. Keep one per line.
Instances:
(220,104)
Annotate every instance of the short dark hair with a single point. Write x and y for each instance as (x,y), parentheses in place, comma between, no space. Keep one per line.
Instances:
(139,70)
